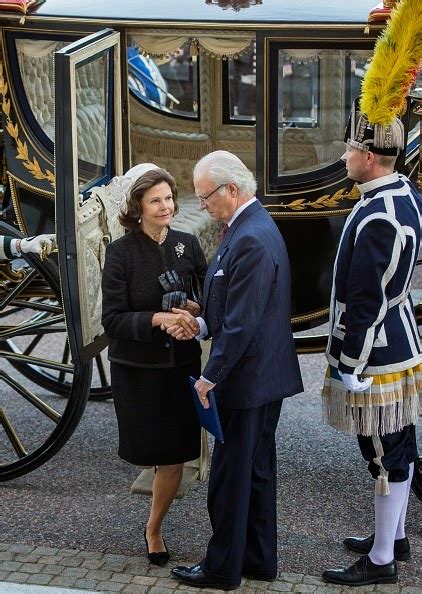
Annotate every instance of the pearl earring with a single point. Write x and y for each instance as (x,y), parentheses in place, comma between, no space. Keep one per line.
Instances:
(140,219)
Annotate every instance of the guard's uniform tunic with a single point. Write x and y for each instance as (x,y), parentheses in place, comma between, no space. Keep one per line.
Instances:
(373,330)
(5,247)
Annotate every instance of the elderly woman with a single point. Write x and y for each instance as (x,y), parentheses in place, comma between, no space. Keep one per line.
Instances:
(147,272)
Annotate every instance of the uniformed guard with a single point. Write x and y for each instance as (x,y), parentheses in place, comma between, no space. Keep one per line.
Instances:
(374,378)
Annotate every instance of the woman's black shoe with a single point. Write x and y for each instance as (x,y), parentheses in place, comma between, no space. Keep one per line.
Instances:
(160,558)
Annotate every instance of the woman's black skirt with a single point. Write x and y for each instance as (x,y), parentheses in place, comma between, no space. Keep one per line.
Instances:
(156,416)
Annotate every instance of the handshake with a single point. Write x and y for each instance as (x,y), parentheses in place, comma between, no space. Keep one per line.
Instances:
(179,317)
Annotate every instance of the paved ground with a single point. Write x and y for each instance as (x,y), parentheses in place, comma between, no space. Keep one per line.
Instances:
(80,507)
(73,523)
(65,569)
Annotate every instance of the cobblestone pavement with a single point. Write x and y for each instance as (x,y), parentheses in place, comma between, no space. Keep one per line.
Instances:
(97,572)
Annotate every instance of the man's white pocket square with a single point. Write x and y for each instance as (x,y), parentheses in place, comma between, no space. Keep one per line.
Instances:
(219,272)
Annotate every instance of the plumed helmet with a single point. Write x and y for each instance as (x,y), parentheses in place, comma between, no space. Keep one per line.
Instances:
(377,138)
(374,122)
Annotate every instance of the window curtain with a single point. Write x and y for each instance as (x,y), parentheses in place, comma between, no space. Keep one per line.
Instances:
(225,45)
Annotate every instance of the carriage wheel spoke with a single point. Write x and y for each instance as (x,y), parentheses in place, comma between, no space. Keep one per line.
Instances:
(31,345)
(33,327)
(8,312)
(101,370)
(65,359)
(19,287)
(37,305)
(30,397)
(12,435)
(30,360)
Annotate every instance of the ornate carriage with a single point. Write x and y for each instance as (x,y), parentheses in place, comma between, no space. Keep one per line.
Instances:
(89,89)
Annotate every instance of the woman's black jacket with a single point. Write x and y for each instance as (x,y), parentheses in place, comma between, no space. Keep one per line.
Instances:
(132,294)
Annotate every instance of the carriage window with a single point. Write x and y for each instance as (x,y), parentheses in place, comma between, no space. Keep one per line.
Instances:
(36,69)
(168,84)
(241,88)
(413,138)
(92,86)
(311,95)
(36,66)
(298,92)
(416,90)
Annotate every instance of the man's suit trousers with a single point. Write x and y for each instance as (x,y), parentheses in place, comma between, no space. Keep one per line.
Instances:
(242,495)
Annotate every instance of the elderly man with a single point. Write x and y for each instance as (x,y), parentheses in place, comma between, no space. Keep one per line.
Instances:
(252,367)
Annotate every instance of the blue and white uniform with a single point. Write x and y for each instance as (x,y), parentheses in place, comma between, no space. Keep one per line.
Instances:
(372,275)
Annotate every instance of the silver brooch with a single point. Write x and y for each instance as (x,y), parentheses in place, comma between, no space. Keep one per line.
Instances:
(179,249)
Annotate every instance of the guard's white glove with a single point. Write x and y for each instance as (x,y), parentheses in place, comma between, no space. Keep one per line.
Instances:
(353,383)
(42,245)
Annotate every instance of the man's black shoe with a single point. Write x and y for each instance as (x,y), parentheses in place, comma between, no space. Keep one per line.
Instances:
(196,577)
(362,573)
(364,545)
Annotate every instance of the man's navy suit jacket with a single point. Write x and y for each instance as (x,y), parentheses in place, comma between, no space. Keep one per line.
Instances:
(247,300)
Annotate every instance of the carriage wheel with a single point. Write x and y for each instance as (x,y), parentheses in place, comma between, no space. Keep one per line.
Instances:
(41,306)
(59,382)
(34,424)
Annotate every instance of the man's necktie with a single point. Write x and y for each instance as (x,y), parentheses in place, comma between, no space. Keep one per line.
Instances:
(223,232)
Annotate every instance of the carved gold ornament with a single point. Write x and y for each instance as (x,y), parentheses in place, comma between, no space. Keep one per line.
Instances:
(326,201)
(31,165)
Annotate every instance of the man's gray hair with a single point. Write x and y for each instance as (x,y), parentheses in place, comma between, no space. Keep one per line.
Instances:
(223,167)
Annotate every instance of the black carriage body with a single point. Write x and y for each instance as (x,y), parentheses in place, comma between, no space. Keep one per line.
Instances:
(311,231)
(280,102)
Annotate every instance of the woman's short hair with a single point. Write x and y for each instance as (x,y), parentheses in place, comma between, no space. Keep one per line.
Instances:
(130,220)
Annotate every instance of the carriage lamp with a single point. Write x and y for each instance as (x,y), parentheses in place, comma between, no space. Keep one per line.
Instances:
(235,4)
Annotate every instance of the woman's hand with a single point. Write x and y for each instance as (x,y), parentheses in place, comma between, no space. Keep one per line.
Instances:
(192,307)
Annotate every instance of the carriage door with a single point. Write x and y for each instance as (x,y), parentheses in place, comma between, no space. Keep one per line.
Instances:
(88,141)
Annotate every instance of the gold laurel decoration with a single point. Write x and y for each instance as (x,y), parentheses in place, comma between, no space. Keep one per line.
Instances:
(32,165)
(327,201)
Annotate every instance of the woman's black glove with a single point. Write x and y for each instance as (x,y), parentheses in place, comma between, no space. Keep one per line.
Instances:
(171,281)
(173,299)
(173,285)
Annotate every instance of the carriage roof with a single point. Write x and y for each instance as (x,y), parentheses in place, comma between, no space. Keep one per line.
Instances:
(240,12)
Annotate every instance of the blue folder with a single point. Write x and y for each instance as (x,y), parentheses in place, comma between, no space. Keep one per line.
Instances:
(208,417)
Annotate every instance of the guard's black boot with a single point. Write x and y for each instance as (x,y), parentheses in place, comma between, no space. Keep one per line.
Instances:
(364,545)
(362,573)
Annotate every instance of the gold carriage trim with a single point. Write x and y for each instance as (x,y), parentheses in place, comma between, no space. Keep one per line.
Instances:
(31,165)
(327,201)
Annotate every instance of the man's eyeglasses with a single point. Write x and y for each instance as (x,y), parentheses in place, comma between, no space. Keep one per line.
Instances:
(203,199)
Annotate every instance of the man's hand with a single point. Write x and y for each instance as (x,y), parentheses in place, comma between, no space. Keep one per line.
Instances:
(42,245)
(354,384)
(203,388)
(180,322)
(178,329)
